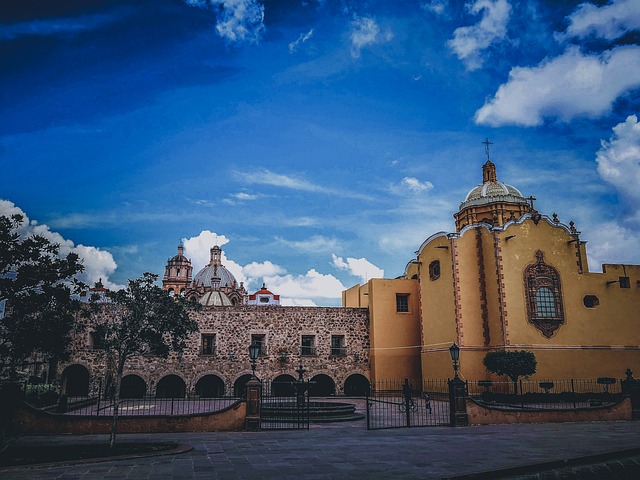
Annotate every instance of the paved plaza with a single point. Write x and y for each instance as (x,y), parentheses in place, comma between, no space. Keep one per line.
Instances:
(349,451)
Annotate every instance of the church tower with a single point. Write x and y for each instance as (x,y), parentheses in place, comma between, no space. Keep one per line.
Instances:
(492,202)
(177,274)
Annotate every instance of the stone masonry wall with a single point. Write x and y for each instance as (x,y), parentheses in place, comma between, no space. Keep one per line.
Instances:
(283,328)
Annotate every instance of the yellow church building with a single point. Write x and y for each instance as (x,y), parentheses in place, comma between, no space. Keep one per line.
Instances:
(508,278)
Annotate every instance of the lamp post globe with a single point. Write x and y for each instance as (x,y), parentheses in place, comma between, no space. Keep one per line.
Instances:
(254,351)
(454,351)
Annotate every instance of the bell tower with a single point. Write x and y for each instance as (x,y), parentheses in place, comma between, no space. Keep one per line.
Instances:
(177,274)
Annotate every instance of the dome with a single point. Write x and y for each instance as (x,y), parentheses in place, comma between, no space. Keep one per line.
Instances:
(215,275)
(492,190)
(206,277)
(215,299)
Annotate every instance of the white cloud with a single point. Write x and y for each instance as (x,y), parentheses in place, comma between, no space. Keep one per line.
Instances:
(358,267)
(414,185)
(567,86)
(293,46)
(255,269)
(619,159)
(314,244)
(610,242)
(609,21)
(468,42)
(308,286)
(267,177)
(99,264)
(198,249)
(365,31)
(436,6)
(238,20)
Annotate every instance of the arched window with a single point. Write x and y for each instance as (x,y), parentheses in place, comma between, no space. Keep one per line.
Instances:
(544,296)
(434,270)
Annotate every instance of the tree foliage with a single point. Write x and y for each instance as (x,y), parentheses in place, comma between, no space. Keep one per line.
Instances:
(513,364)
(36,285)
(140,320)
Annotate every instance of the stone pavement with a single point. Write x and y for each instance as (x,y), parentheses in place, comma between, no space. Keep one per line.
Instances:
(349,451)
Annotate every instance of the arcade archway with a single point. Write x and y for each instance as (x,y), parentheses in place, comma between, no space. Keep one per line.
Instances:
(210,386)
(75,381)
(171,386)
(324,386)
(132,386)
(356,385)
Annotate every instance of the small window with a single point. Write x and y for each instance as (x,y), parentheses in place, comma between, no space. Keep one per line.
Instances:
(171,292)
(264,299)
(590,301)
(308,347)
(402,303)
(624,282)
(208,344)
(261,341)
(434,270)
(97,341)
(178,272)
(337,346)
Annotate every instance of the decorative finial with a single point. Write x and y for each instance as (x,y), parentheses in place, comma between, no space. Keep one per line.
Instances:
(486,148)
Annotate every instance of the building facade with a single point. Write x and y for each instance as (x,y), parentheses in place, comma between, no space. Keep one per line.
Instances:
(508,278)
(332,344)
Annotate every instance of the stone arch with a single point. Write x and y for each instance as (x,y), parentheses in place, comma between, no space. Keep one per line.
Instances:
(324,386)
(281,386)
(356,385)
(210,386)
(240,385)
(171,386)
(133,386)
(75,380)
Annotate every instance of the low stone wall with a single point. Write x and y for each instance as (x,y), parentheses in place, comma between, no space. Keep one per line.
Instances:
(482,415)
(31,421)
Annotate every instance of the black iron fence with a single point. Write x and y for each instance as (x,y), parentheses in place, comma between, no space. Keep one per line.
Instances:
(284,407)
(417,403)
(47,398)
(547,394)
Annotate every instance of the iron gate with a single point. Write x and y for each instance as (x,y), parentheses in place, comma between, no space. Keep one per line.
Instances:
(416,404)
(282,408)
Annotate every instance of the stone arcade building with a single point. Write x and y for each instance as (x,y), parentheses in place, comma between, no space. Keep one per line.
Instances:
(331,343)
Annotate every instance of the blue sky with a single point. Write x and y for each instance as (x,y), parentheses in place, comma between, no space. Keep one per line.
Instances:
(318,142)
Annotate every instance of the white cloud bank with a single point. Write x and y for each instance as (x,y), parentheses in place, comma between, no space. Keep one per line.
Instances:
(619,159)
(358,267)
(293,46)
(304,289)
(568,86)
(469,42)
(237,20)
(609,21)
(98,264)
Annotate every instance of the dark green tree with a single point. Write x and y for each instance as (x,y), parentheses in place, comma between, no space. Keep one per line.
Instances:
(141,319)
(36,287)
(513,364)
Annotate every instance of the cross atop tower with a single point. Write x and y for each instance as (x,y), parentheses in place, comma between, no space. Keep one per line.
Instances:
(486,147)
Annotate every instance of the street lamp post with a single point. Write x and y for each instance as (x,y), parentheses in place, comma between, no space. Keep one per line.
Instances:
(457,392)
(254,392)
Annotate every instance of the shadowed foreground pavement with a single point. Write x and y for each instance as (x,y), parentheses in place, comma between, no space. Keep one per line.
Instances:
(348,450)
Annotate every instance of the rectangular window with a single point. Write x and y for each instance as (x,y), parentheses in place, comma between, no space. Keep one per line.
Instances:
(337,346)
(402,303)
(260,340)
(208,344)
(97,341)
(308,347)
(624,282)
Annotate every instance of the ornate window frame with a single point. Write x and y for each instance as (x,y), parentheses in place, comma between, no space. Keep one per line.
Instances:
(545,310)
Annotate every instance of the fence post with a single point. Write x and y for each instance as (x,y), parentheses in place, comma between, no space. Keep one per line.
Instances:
(631,388)
(254,397)
(458,403)
(368,409)
(406,398)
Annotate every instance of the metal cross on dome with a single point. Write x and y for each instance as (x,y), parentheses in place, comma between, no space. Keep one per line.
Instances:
(486,147)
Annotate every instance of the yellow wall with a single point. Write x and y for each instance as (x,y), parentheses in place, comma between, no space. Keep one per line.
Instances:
(395,336)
